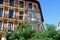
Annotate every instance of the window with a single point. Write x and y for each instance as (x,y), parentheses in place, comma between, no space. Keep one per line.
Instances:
(1,12)
(21,4)
(11,13)
(10,26)
(35,7)
(19,24)
(29,16)
(21,15)
(11,3)
(21,12)
(1,1)
(34,17)
(0,25)
(30,5)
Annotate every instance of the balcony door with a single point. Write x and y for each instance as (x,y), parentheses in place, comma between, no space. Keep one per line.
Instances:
(10,26)
(1,12)
(11,13)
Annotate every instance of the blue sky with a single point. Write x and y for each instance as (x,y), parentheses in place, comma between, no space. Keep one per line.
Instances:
(51,11)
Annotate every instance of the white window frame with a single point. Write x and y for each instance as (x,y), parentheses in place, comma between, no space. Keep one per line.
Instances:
(12,26)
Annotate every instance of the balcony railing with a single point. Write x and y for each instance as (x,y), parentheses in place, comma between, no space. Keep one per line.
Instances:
(3,29)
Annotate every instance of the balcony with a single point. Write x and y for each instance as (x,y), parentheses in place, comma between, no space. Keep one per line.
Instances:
(13,19)
(11,7)
(2,33)
(34,19)
(2,6)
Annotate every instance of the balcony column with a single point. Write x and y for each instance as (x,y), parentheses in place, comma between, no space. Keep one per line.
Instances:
(24,16)
(16,13)
(3,36)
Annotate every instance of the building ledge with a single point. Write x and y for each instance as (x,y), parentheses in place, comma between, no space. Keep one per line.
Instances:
(2,6)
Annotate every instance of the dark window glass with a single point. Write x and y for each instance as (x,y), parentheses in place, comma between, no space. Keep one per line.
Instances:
(11,13)
(21,4)
(21,15)
(19,24)
(10,26)
(1,12)
(1,1)
(11,2)
(0,24)
(30,5)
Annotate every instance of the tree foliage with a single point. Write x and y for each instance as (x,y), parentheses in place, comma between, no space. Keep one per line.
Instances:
(25,32)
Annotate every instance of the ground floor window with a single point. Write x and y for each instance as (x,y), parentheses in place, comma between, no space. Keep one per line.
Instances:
(10,26)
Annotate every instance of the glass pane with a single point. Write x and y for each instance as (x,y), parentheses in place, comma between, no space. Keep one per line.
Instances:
(21,4)
(1,11)
(0,24)
(21,13)
(10,26)
(11,2)
(30,5)
(1,1)
(29,16)
(11,13)
(19,24)
(21,17)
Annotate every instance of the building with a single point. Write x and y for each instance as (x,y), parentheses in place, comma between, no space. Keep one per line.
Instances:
(16,12)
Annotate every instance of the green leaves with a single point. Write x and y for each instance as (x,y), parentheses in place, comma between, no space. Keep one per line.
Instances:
(25,32)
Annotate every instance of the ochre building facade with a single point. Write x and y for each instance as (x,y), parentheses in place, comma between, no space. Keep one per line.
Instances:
(16,12)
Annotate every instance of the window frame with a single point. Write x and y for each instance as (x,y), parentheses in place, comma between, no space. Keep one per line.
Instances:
(10,28)
(13,13)
(21,14)
(35,4)
(1,26)
(31,5)
(23,4)
(3,2)
(35,7)
(2,12)
(10,4)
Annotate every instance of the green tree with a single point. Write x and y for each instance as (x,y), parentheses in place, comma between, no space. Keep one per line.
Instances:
(25,32)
